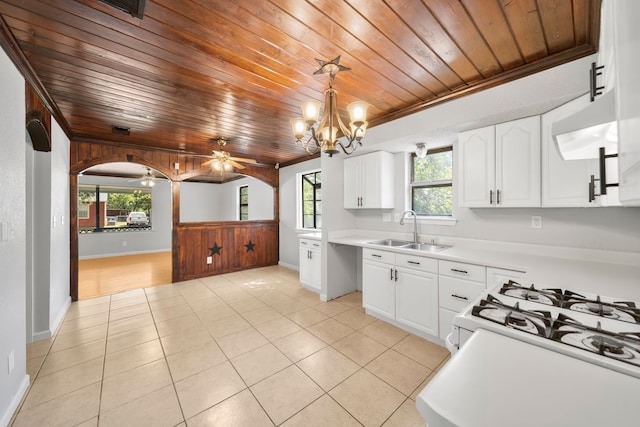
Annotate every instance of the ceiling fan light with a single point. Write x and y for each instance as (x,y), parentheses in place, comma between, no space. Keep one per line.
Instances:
(421,150)
(310,110)
(298,127)
(358,111)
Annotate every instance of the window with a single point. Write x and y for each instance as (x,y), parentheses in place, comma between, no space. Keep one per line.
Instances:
(432,183)
(244,203)
(311,184)
(109,208)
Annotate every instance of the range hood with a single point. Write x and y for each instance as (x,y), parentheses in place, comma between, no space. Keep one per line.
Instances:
(581,135)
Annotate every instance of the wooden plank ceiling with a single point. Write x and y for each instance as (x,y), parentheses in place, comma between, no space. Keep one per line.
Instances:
(193,70)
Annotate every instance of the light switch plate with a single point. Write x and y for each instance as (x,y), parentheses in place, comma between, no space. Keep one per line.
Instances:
(209,259)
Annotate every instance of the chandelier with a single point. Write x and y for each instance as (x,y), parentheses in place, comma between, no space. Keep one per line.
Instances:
(324,137)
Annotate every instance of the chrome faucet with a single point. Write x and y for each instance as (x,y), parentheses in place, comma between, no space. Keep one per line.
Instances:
(415,223)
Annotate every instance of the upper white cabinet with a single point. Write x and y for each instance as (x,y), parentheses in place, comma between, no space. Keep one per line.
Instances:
(627,47)
(368,181)
(565,183)
(499,166)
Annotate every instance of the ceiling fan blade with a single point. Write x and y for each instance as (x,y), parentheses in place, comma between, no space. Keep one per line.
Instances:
(208,162)
(218,153)
(243,160)
(236,164)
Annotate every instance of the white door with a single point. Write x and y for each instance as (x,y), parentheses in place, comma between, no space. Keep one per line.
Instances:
(476,166)
(316,269)
(379,288)
(565,183)
(417,300)
(518,163)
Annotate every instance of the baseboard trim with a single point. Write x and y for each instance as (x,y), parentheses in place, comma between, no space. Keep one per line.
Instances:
(291,266)
(60,316)
(42,335)
(155,251)
(15,402)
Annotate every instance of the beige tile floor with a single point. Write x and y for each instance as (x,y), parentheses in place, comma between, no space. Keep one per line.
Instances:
(252,348)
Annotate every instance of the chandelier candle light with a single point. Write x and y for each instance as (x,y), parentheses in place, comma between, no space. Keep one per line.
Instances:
(324,137)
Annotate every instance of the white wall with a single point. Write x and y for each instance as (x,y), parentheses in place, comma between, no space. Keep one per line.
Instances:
(95,245)
(201,202)
(59,298)
(12,247)
(289,252)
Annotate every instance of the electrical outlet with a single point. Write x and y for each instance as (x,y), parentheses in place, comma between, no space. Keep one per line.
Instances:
(124,243)
(209,259)
(536,222)
(396,217)
(11,361)
(386,217)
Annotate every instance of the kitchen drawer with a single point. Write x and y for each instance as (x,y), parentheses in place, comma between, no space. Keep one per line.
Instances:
(455,294)
(310,243)
(446,322)
(477,273)
(380,256)
(417,263)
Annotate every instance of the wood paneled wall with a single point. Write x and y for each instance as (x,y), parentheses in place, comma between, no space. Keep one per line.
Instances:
(243,244)
(232,246)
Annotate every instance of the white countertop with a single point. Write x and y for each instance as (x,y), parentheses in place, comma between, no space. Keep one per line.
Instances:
(498,381)
(615,274)
(312,236)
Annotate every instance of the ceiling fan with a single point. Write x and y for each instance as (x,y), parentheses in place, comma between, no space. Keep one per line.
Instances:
(147,180)
(222,161)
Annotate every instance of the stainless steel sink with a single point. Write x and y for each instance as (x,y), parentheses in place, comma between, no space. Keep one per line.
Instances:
(389,242)
(428,247)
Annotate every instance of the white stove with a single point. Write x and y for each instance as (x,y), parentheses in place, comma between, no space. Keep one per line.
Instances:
(597,329)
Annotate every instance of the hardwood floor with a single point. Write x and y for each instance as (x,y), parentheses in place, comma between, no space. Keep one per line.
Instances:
(106,276)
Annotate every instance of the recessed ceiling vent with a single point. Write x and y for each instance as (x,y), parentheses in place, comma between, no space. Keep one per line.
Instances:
(134,8)
(120,130)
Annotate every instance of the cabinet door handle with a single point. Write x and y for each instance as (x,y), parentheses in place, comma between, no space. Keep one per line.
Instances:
(391,271)
(594,89)
(455,270)
(316,245)
(413,262)
(376,255)
(459,297)
(592,189)
(497,197)
(303,243)
(396,278)
(310,255)
(490,197)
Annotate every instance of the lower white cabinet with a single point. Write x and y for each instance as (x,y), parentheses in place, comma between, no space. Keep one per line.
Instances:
(311,264)
(401,287)
(460,284)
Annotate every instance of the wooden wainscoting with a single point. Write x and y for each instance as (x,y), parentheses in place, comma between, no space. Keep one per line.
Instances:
(232,246)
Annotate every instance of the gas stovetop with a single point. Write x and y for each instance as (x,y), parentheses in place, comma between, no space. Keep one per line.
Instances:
(594,328)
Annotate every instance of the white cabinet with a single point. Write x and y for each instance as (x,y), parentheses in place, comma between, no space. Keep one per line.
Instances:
(627,44)
(403,288)
(460,283)
(368,181)
(565,183)
(311,264)
(500,165)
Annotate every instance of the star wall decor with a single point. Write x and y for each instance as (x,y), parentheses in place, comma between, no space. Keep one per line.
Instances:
(250,246)
(215,250)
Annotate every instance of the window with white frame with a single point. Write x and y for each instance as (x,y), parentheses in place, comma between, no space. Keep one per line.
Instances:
(310,200)
(432,183)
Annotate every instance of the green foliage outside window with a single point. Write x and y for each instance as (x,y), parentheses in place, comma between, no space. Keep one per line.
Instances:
(432,183)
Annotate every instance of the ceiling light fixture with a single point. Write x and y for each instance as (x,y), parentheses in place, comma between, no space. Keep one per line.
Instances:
(147,180)
(421,150)
(324,136)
